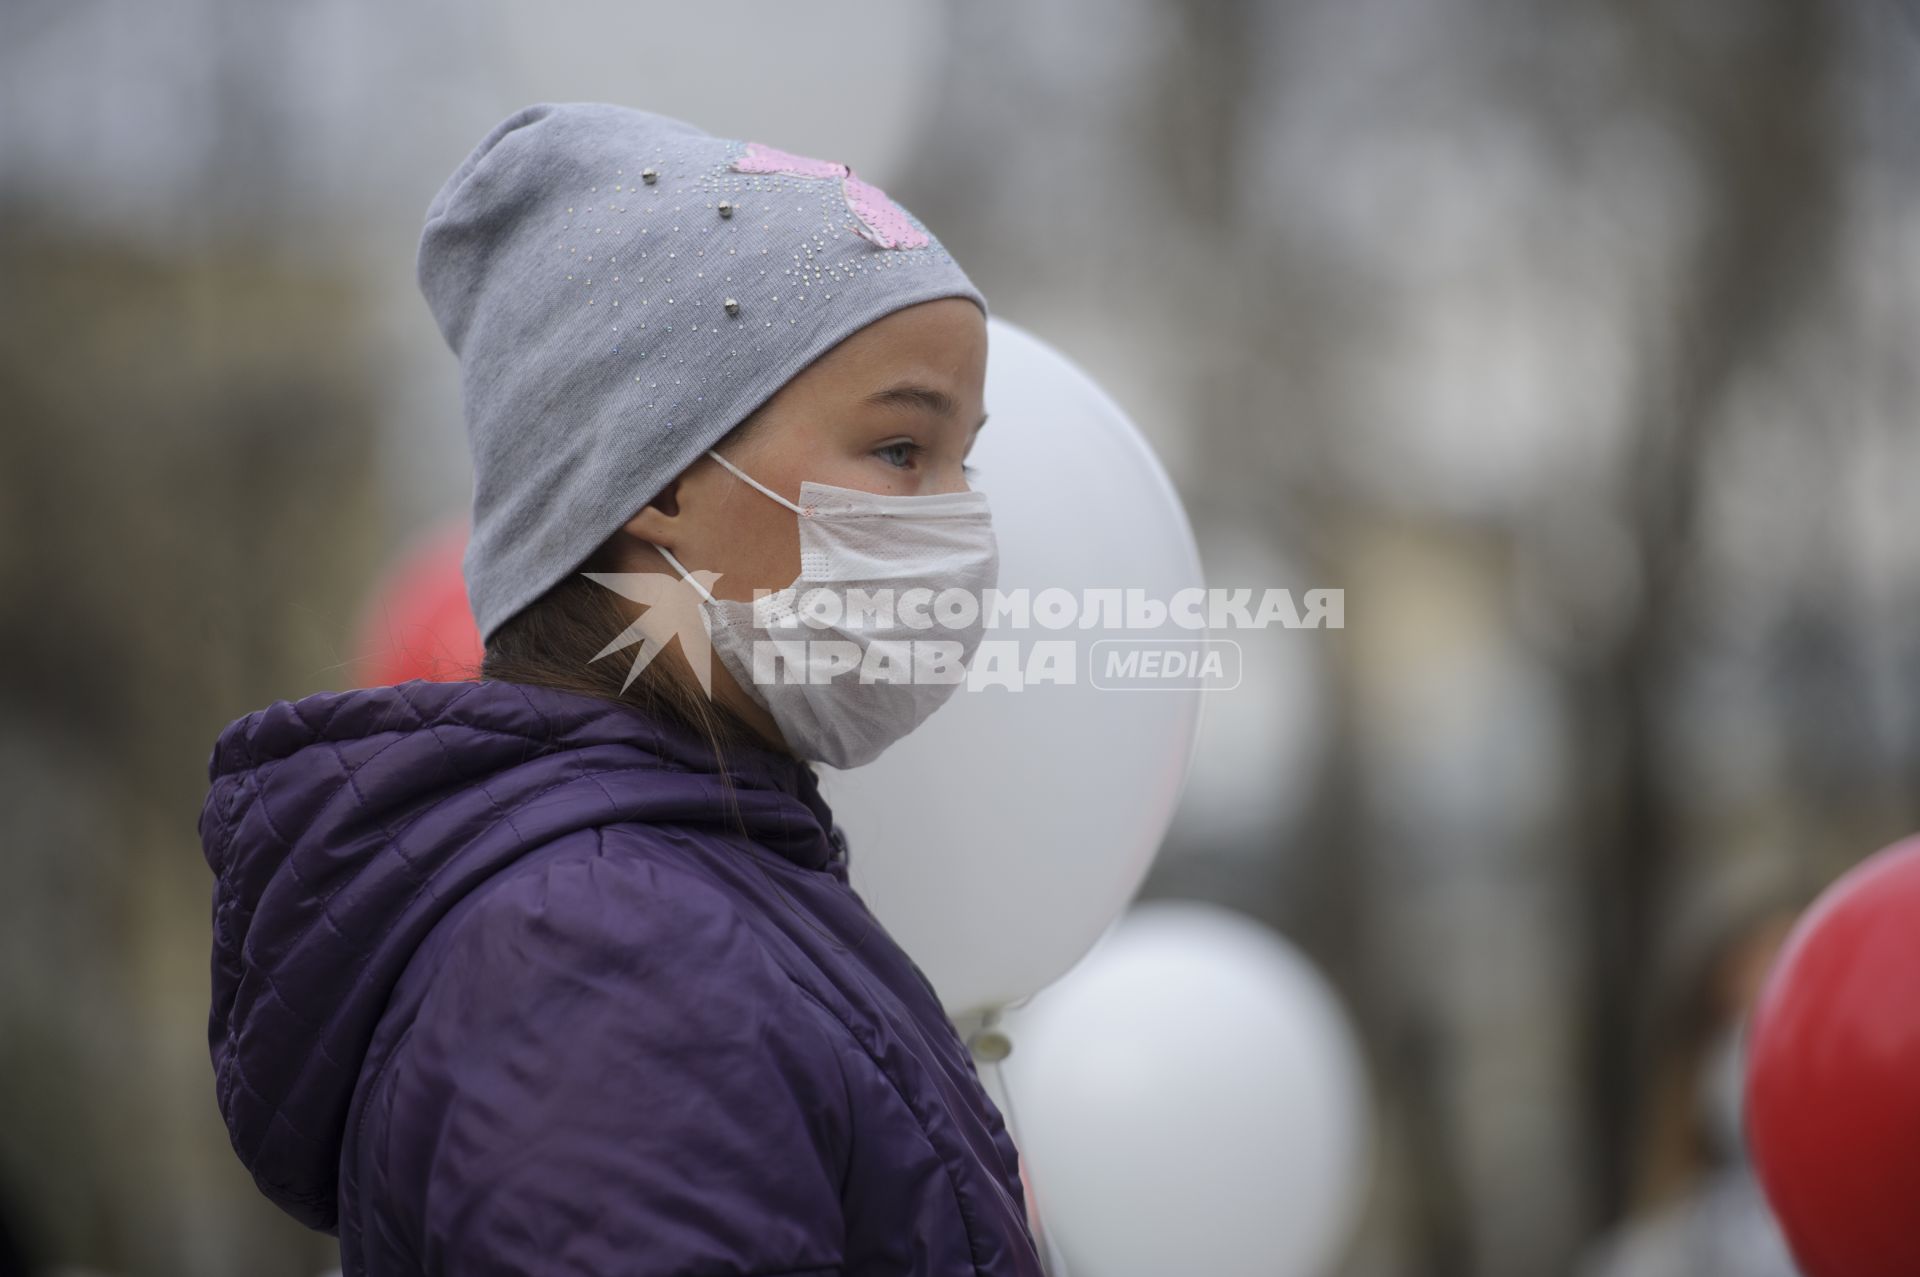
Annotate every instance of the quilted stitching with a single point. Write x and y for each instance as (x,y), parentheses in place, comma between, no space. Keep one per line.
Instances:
(313,756)
(344,828)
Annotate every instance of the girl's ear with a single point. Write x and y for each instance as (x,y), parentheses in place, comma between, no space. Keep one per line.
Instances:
(658,517)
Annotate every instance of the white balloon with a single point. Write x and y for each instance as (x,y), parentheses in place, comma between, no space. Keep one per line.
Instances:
(1189,1099)
(999,839)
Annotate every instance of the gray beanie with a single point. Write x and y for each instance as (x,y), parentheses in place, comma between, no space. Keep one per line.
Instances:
(622,290)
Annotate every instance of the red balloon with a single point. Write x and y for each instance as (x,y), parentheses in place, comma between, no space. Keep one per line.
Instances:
(417,622)
(1833,1075)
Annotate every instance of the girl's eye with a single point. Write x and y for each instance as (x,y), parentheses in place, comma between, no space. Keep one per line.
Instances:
(906,449)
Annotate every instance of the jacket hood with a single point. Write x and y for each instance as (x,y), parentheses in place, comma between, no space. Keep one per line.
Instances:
(341,827)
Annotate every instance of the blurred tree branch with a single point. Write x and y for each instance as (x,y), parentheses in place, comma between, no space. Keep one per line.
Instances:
(1748,89)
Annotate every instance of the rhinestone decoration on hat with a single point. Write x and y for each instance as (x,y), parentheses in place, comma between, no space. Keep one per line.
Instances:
(672,247)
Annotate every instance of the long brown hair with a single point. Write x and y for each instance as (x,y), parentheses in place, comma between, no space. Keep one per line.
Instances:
(553,641)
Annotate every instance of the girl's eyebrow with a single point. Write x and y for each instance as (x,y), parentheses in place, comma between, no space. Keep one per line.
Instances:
(914,395)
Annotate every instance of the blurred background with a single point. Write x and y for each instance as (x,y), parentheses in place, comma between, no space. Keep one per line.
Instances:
(1574,341)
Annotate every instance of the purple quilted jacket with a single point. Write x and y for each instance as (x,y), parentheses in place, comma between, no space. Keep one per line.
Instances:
(498,988)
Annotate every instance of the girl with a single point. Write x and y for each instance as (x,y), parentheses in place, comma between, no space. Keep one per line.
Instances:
(559,970)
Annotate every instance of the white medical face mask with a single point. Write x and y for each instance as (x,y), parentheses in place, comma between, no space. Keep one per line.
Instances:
(868,675)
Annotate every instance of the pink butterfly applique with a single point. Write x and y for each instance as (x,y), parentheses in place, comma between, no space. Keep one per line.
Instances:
(876,216)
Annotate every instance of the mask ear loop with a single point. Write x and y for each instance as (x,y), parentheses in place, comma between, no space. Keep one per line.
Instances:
(803,513)
(685,575)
